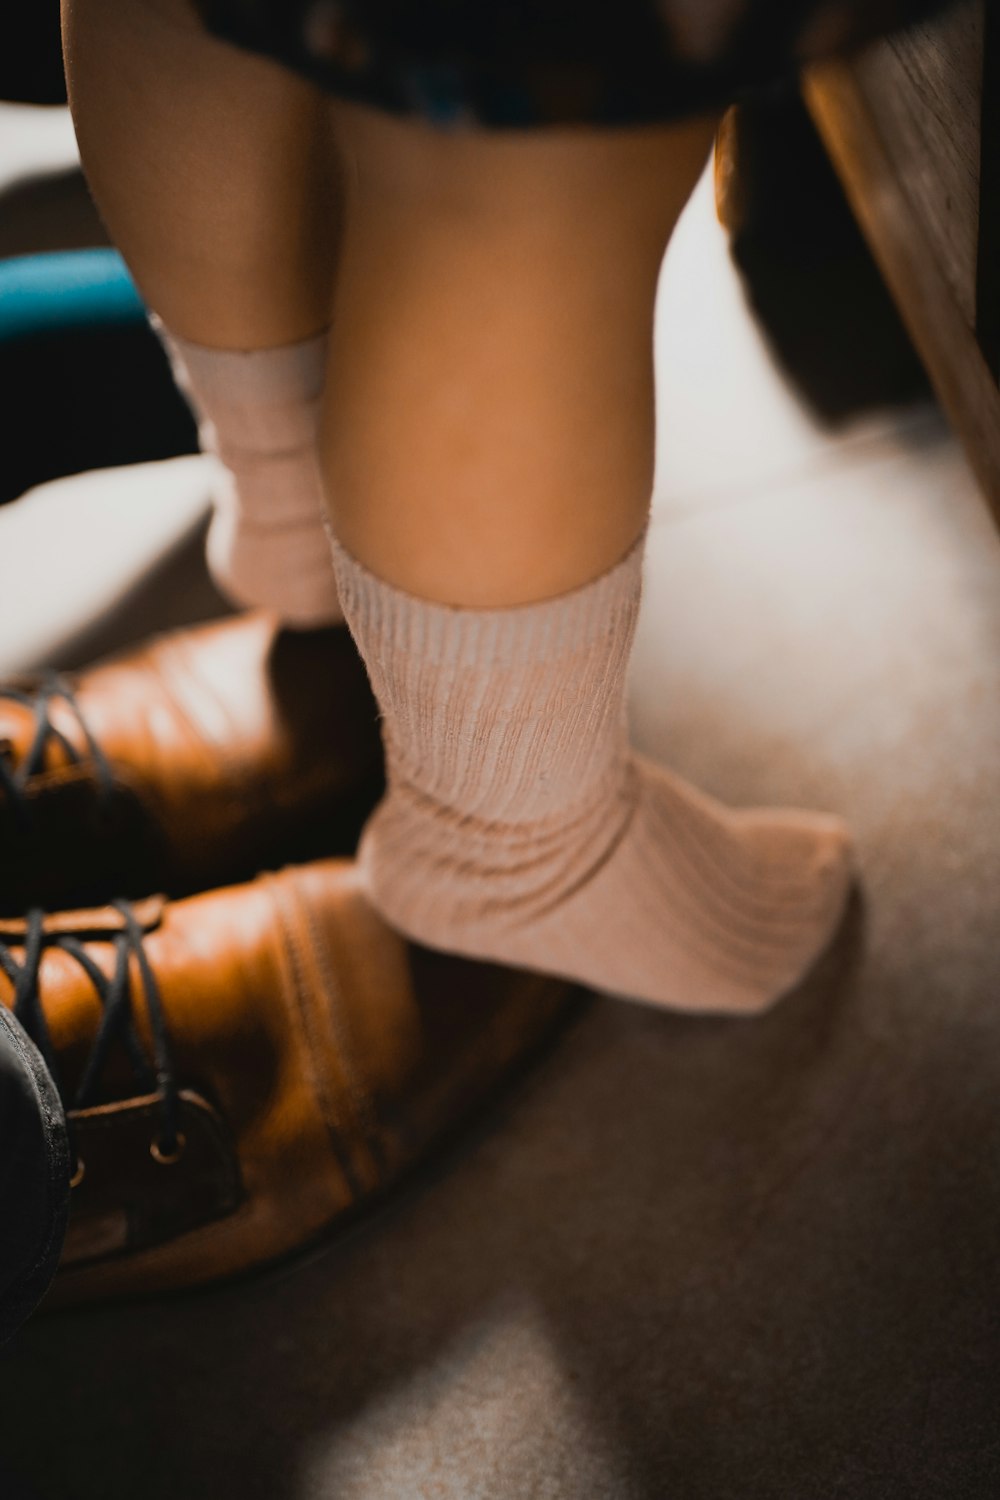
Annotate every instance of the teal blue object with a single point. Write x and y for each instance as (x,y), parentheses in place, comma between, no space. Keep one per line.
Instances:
(65,289)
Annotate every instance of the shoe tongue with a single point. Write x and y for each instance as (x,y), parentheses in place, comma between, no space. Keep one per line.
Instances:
(93,923)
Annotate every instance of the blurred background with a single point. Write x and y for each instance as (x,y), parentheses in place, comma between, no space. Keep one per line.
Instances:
(89,564)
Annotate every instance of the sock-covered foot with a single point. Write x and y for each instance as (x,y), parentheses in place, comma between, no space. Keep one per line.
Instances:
(258,413)
(520,827)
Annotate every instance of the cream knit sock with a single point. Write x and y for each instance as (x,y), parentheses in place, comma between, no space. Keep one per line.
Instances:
(519,826)
(258,413)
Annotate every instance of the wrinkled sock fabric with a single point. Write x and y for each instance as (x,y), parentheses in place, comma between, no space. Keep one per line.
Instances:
(520,827)
(258,414)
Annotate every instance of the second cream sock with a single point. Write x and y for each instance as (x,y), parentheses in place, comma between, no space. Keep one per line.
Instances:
(520,827)
(258,413)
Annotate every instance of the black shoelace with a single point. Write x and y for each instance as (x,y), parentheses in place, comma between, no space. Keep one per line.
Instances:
(14,779)
(117,1023)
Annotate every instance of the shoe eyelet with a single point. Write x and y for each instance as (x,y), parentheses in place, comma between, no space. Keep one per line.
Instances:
(167,1158)
(79,1173)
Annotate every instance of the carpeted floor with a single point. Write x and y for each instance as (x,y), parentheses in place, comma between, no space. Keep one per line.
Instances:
(688,1259)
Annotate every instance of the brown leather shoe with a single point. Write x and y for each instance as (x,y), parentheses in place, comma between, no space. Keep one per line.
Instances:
(244,1070)
(201,758)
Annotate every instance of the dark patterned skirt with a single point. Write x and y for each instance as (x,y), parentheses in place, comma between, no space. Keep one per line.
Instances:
(526,63)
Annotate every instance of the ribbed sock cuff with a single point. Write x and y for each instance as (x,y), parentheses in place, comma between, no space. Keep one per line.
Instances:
(515,635)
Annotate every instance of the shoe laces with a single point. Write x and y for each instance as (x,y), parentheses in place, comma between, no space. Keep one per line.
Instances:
(155,1076)
(14,778)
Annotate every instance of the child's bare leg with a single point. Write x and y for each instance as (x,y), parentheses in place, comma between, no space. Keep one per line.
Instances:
(489,425)
(215,174)
(212,169)
(488,442)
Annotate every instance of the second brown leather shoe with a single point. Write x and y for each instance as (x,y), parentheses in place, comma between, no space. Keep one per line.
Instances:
(244,1070)
(198,759)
